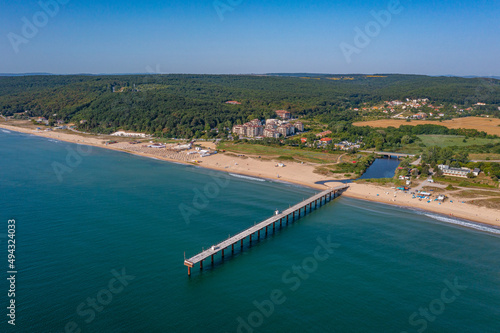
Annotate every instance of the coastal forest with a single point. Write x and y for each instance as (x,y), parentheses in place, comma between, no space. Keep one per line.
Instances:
(185,106)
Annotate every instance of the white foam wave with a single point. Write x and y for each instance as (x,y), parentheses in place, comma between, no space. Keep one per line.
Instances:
(472,225)
(247,177)
(5,131)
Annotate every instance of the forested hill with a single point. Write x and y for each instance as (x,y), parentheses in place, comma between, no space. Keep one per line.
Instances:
(181,105)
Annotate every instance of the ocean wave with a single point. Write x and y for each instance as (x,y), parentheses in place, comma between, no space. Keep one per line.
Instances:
(5,131)
(376,211)
(284,182)
(463,223)
(247,177)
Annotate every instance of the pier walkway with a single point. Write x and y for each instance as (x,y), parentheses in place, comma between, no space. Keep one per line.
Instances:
(292,213)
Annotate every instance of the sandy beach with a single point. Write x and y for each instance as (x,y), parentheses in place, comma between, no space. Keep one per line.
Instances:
(452,207)
(293,172)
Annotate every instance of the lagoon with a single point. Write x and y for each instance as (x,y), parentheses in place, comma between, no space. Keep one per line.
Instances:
(381,168)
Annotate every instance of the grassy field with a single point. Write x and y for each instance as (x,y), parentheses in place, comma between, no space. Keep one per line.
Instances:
(465,182)
(454,140)
(286,154)
(484,156)
(489,203)
(488,125)
(477,194)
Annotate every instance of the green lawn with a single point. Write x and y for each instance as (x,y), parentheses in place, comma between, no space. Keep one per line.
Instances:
(465,182)
(300,155)
(454,140)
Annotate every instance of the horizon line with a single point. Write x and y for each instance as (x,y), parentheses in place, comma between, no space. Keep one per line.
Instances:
(244,74)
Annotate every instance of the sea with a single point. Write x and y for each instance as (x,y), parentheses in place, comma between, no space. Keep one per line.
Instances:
(101,237)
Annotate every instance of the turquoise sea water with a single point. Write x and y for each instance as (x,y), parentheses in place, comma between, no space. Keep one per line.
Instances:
(84,217)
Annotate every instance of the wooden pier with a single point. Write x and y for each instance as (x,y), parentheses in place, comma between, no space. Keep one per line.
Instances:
(289,215)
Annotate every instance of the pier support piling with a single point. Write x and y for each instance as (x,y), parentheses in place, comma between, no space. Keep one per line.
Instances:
(319,200)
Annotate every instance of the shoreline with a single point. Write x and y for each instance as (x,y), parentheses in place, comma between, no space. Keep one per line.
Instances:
(458,216)
(368,192)
(92,142)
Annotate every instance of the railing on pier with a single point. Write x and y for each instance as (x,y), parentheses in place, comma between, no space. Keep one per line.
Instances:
(291,213)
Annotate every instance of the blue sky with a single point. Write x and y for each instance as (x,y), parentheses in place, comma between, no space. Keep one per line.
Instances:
(446,37)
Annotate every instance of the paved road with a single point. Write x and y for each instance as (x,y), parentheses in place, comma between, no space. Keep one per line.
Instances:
(427,183)
(417,162)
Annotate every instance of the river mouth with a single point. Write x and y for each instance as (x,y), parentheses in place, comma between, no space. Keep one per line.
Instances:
(380,168)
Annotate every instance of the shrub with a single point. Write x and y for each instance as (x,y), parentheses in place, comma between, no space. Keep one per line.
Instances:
(286,158)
